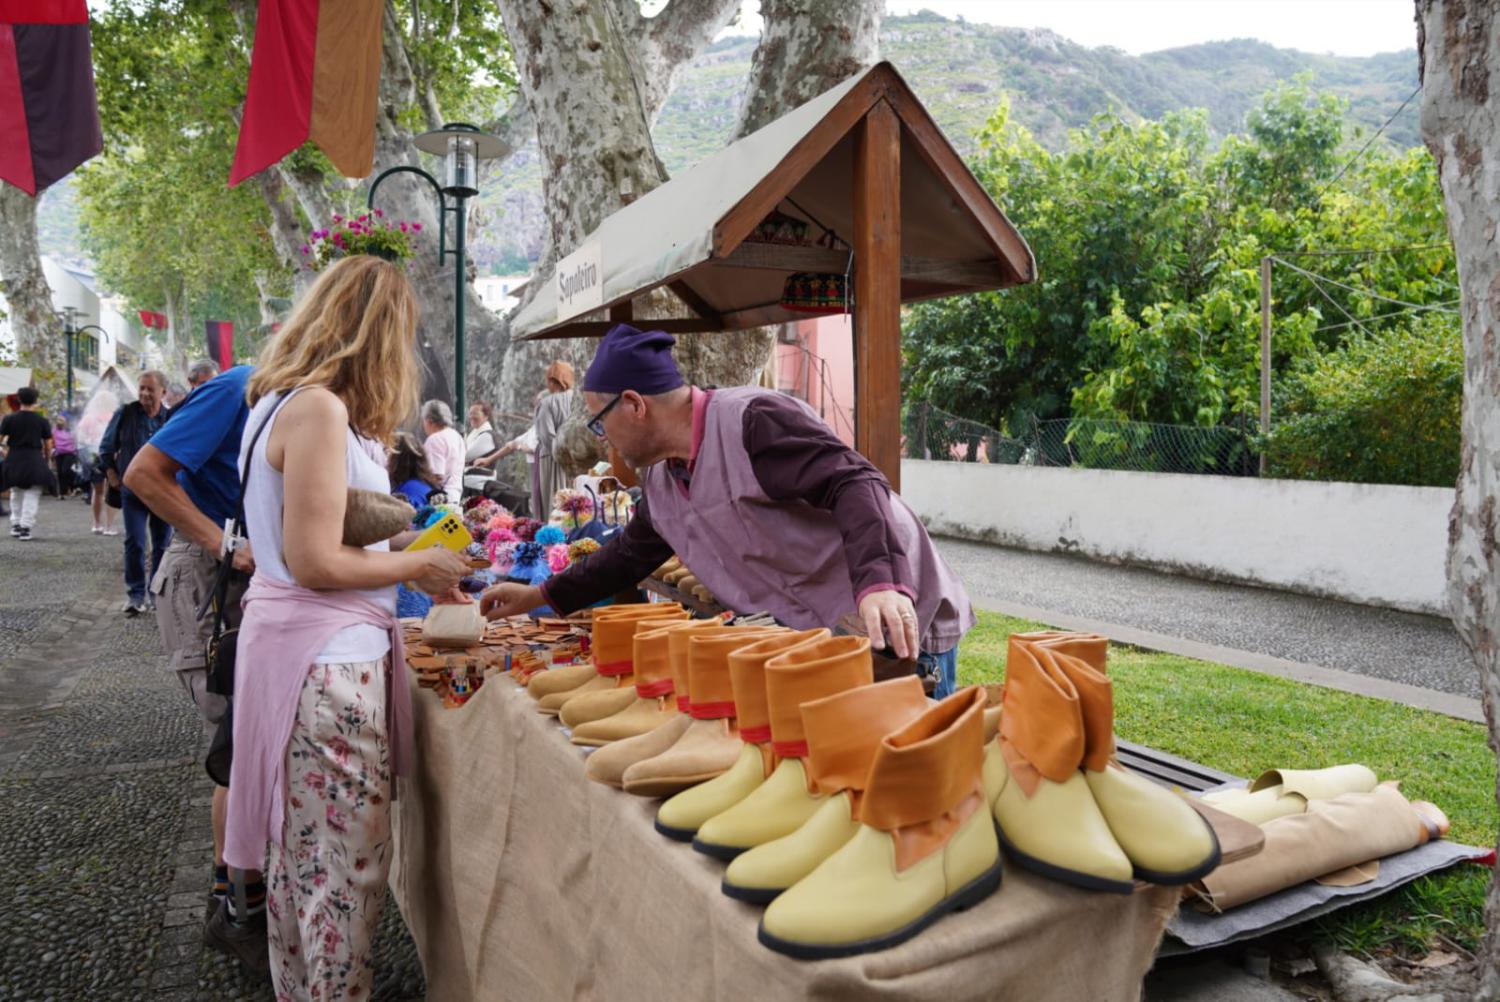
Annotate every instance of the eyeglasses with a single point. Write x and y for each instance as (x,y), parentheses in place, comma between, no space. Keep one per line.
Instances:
(596,423)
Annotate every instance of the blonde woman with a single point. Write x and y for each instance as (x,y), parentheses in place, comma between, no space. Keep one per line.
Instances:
(321,719)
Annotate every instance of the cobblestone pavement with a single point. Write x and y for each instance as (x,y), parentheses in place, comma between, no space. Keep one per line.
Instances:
(1381,643)
(106,849)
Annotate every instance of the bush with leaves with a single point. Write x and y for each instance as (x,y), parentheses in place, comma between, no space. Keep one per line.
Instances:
(1149,243)
(1382,409)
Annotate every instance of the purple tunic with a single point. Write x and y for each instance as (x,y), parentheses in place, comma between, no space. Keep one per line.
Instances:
(779,517)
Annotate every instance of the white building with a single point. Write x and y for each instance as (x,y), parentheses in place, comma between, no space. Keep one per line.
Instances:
(72,286)
(498,292)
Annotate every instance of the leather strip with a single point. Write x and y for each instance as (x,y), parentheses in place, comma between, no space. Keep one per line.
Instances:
(789,749)
(654,690)
(755,735)
(710,711)
(615,668)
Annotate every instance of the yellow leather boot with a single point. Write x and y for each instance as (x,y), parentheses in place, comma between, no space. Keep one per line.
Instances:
(1049,822)
(1166,841)
(613,632)
(608,764)
(785,801)
(925,845)
(681,816)
(711,744)
(654,702)
(843,732)
(1276,793)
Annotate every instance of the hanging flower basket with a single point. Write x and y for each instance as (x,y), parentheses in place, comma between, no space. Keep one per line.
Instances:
(369,233)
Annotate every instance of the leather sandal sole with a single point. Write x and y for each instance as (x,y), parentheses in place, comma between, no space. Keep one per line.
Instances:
(1052,871)
(1186,876)
(967,897)
(754,895)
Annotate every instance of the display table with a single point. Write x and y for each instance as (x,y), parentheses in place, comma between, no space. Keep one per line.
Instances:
(520,879)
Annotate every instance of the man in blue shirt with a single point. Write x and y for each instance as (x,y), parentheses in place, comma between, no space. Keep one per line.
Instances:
(189,475)
(129,430)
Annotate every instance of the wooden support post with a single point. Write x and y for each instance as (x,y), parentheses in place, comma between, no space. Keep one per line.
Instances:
(1265,358)
(877,291)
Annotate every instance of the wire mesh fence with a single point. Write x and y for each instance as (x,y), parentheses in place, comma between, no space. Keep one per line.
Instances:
(932,433)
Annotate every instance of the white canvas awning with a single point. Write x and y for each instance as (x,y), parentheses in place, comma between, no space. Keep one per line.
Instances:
(690,233)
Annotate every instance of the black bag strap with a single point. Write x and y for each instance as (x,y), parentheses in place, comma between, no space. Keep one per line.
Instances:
(217,597)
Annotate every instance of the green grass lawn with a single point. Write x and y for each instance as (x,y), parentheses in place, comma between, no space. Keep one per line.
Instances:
(1242,722)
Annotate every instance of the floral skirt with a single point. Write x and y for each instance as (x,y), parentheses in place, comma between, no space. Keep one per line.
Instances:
(327,880)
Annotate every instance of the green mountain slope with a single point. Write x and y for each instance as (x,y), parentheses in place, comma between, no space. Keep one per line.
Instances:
(960,70)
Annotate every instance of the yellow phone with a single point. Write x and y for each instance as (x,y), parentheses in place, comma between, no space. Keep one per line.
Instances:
(447,531)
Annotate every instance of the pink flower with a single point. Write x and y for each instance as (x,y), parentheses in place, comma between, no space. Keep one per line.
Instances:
(379,214)
(331,940)
(315,781)
(306,249)
(338,219)
(417,227)
(336,820)
(403,227)
(340,749)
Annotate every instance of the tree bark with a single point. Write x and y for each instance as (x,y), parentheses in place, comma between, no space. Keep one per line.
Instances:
(28,300)
(1458,44)
(805,48)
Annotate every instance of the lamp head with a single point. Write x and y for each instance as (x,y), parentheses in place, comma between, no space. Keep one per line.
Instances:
(461,146)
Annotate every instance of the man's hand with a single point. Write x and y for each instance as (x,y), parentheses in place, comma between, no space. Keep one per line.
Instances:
(510,599)
(244,560)
(113,478)
(890,614)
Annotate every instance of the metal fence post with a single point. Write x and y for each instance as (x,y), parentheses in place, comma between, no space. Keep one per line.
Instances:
(1265,359)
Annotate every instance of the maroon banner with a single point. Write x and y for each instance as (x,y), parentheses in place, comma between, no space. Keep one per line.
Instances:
(44,12)
(49,119)
(220,337)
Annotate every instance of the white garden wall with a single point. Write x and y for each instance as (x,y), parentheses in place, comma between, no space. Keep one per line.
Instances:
(1368,543)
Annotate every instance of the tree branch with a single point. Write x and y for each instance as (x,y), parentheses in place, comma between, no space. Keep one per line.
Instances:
(672,39)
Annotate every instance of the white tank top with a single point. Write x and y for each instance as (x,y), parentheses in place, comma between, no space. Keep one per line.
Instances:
(365,467)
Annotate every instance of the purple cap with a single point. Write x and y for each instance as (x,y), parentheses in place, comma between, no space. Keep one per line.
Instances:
(630,359)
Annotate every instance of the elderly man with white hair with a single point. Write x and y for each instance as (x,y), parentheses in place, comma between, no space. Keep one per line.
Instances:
(444,447)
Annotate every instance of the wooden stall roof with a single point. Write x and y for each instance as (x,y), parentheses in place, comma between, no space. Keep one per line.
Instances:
(689,233)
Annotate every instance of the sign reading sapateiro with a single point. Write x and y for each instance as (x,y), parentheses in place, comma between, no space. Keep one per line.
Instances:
(580,282)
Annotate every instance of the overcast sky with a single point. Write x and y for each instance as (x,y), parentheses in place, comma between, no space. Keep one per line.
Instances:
(1343,27)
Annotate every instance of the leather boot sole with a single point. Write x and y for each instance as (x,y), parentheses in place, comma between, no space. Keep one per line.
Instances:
(966,897)
(676,834)
(1052,871)
(723,852)
(752,895)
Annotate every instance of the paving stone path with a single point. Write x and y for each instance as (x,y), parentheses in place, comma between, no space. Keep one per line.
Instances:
(106,848)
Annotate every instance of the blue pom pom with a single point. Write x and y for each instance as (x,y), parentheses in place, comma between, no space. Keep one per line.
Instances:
(551,535)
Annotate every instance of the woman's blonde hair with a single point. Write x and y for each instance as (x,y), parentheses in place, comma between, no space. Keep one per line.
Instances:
(354,333)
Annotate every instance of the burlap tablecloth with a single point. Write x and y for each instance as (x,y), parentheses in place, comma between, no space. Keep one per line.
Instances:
(520,879)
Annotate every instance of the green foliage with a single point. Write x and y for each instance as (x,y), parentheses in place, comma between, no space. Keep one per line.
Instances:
(163,228)
(1149,244)
(1383,408)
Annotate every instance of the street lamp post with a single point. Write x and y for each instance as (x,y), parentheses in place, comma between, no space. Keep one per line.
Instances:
(462,147)
(70,333)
